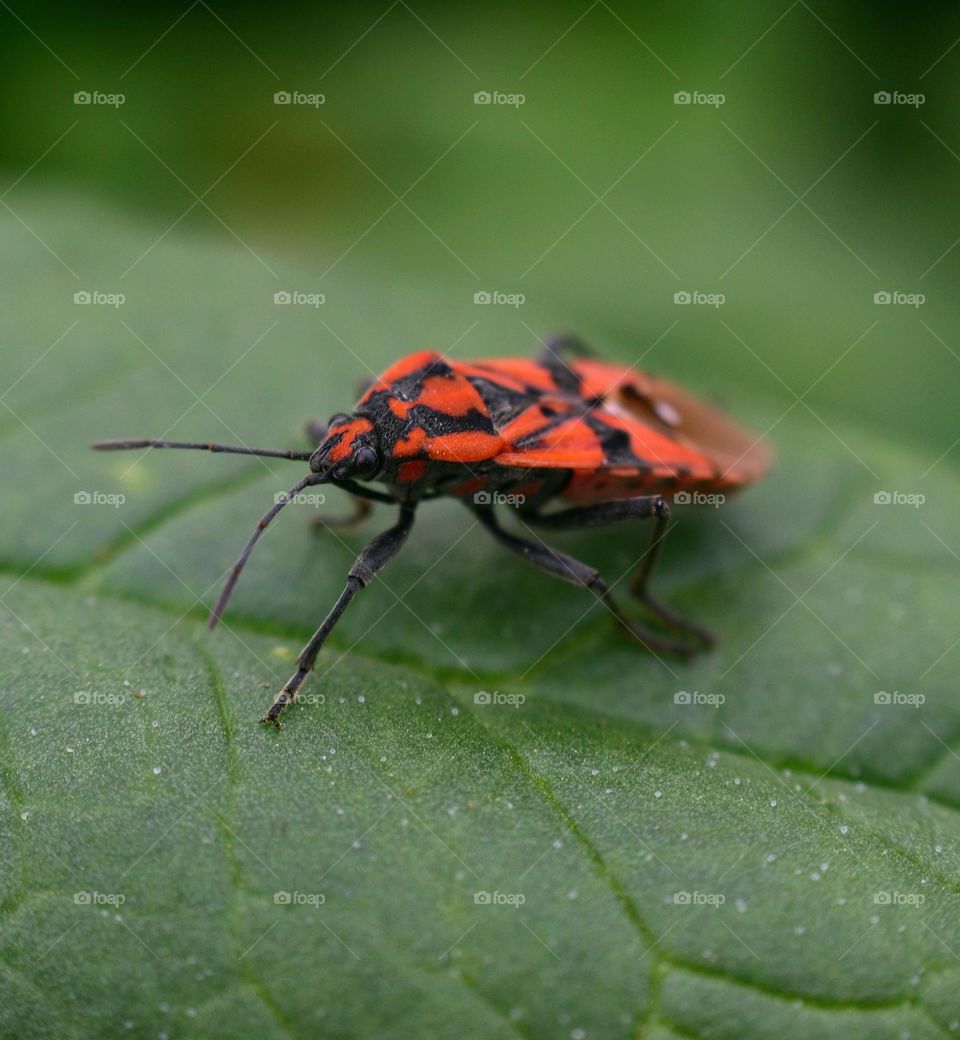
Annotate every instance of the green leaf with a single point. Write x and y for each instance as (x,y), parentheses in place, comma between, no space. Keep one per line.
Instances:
(754,844)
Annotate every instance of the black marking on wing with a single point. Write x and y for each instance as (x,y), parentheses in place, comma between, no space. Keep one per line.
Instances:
(565,378)
(503,403)
(410,386)
(437,423)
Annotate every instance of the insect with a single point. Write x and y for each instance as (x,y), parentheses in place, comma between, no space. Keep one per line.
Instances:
(609,442)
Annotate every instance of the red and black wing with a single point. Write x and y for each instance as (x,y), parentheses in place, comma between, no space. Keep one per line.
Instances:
(592,415)
(587,416)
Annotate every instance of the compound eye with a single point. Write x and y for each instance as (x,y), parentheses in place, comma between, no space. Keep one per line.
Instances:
(365,463)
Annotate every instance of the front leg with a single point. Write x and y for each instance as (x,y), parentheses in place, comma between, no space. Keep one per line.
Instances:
(377,554)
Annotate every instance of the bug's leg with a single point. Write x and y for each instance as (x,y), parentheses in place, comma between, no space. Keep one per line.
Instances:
(640,581)
(561,565)
(374,557)
(564,344)
(361,509)
(621,511)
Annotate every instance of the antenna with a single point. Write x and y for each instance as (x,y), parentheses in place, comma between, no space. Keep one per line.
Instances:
(231,449)
(231,582)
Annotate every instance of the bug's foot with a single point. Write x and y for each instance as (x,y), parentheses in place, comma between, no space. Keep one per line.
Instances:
(658,643)
(272,715)
(288,694)
(670,619)
(673,647)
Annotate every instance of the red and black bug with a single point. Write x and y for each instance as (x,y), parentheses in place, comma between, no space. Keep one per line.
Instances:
(609,441)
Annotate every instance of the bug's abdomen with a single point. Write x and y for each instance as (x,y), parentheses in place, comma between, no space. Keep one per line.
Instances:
(586,488)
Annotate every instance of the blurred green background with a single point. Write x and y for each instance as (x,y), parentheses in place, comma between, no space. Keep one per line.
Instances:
(597,198)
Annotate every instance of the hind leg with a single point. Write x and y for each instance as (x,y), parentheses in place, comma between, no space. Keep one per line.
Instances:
(624,510)
(560,565)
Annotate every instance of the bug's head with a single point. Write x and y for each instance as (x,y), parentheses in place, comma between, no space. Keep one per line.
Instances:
(350,449)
